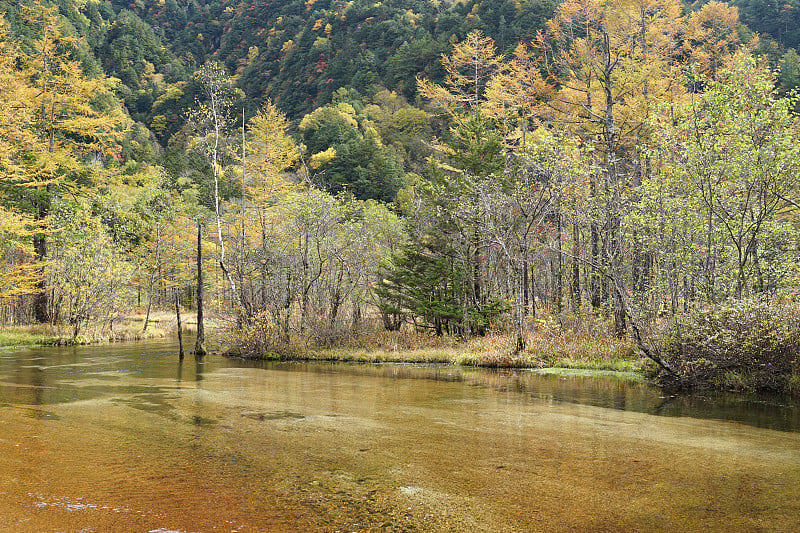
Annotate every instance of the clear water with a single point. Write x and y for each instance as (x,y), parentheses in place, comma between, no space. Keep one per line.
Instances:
(126,438)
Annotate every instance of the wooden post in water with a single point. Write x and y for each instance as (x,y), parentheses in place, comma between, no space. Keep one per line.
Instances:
(199,345)
(180,334)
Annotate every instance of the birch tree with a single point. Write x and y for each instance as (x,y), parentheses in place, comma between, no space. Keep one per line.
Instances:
(211,125)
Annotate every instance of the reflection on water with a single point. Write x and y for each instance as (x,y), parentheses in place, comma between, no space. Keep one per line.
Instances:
(623,391)
(57,375)
(126,438)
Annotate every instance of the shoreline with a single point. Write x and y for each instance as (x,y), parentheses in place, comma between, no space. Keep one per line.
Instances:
(125,329)
(459,355)
(555,354)
(575,370)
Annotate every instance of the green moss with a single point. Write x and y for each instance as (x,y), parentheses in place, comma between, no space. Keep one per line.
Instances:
(793,383)
(740,381)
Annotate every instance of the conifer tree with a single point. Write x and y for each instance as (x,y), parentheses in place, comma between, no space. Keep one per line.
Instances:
(65,121)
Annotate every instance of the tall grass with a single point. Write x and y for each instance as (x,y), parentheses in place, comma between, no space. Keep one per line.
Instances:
(62,334)
(548,344)
(548,348)
(26,336)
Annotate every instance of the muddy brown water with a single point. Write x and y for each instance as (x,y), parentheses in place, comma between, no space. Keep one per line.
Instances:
(124,438)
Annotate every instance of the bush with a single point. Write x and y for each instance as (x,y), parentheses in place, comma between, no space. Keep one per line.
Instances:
(259,337)
(741,345)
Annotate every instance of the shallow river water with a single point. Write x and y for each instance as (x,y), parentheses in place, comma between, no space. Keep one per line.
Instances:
(124,438)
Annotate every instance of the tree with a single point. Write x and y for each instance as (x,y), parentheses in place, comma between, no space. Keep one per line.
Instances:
(711,36)
(270,153)
(612,64)
(469,68)
(210,122)
(19,276)
(789,71)
(348,155)
(425,282)
(89,275)
(157,208)
(200,339)
(440,276)
(513,96)
(736,153)
(67,120)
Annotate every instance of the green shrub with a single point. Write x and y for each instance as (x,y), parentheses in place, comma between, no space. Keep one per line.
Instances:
(743,345)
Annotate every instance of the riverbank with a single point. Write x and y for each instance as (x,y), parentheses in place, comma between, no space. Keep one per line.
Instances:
(128,328)
(58,335)
(563,348)
(548,347)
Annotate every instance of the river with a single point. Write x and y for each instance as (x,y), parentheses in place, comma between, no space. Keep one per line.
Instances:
(126,438)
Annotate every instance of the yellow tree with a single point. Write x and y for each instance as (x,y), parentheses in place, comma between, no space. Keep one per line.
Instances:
(18,276)
(72,121)
(270,153)
(514,96)
(711,37)
(612,63)
(469,67)
(16,113)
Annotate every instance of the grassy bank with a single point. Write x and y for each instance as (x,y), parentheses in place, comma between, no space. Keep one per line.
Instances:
(12,336)
(546,348)
(127,328)
(122,329)
(47,335)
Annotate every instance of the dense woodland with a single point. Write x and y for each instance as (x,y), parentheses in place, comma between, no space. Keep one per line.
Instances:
(459,167)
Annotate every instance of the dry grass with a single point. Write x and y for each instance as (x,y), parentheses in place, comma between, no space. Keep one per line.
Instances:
(553,349)
(123,329)
(548,344)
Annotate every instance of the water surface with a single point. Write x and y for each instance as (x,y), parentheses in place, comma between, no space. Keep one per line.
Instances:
(126,438)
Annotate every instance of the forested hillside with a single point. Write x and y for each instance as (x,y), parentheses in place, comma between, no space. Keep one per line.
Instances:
(455,167)
(299,52)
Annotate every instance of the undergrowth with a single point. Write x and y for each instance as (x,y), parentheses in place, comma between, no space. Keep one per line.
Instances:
(63,334)
(744,345)
(548,343)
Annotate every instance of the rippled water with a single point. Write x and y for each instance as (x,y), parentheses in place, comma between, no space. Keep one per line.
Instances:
(125,438)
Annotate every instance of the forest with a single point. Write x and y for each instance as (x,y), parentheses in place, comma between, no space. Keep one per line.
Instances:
(314,172)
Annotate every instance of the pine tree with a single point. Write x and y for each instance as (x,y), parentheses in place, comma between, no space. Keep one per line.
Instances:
(425,283)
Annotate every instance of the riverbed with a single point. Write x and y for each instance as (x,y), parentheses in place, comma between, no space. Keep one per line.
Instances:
(127,438)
